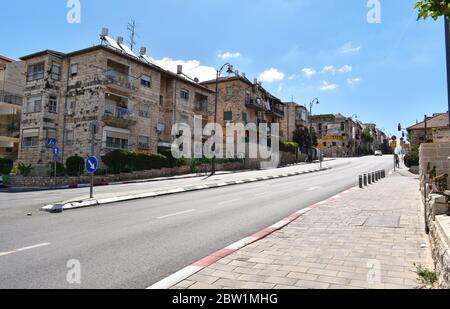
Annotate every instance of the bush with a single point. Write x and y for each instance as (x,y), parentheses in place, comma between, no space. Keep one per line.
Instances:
(171,161)
(143,160)
(412,158)
(6,166)
(288,147)
(60,170)
(24,170)
(75,166)
(116,160)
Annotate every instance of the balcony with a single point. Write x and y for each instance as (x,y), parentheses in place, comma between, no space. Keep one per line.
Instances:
(201,107)
(10,133)
(276,111)
(120,117)
(255,103)
(118,81)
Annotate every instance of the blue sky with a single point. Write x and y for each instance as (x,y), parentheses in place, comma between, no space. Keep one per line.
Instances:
(385,73)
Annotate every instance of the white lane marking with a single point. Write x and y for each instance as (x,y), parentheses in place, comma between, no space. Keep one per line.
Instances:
(175,278)
(176,214)
(24,249)
(313,188)
(230,201)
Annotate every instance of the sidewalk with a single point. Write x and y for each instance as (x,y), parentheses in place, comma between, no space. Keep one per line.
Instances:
(366,238)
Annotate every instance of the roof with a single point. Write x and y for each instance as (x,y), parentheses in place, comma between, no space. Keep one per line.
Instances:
(438,121)
(4,58)
(104,47)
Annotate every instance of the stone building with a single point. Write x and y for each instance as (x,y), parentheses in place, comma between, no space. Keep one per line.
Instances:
(438,130)
(296,116)
(243,101)
(338,136)
(132,102)
(11,90)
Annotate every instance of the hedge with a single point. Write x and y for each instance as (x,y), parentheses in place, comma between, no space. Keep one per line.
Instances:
(128,161)
(6,165)
(288,147)
(75,166)
(412,157)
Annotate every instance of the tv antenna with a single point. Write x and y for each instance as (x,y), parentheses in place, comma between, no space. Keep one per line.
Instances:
(131,27)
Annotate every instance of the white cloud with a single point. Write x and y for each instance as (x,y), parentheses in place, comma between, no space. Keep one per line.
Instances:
(271,75)
(228,55)
(292,77)
(191,68)
(328,87)
(345,69)
(329,69)
(309,72)
(353,81)
(348,48)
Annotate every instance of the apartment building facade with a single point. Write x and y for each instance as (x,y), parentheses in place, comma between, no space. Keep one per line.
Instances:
(11,91)
(436,130)
(296,116)
(129,102)
(243,101)
(338,136)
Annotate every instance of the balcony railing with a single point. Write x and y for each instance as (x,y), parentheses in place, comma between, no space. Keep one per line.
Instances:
(277,111)
(7,97)
(119,116)
(119,79)
(12,130)
(255,103)
(201,106)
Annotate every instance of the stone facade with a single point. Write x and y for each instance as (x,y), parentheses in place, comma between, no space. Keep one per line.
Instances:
(338,136)
(11,90)
(241,101)
(131,102)
(296,116)
(434,155)
(437,130)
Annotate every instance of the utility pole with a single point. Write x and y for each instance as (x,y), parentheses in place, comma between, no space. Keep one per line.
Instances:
(133,34)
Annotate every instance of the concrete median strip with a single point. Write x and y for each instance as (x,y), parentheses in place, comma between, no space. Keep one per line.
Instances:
(58,207)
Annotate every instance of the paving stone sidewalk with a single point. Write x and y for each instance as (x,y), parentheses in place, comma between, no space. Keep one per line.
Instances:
(367,238)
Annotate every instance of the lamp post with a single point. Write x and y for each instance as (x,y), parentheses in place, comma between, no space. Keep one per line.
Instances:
(218,73)
(315,101)
(447,49)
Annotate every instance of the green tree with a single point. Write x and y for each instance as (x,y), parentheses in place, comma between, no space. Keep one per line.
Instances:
(433,9)
(367,139)
(302,138)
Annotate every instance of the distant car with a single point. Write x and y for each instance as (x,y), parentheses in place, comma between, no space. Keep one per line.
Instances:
(378,153)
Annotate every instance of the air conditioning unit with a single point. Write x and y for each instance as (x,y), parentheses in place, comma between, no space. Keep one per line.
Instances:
(160,127)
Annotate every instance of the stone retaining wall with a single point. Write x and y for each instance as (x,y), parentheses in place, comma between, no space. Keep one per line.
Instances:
(46,182)
(436,209)
(436,154)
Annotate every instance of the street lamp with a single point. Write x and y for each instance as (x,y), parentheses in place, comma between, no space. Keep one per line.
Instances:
(315,101)
(230,70)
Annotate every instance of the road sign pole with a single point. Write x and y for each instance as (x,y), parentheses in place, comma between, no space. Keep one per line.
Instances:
(92,153)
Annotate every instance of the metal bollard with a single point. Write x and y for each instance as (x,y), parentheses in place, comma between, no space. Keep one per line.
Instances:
(378,175)
(365,180)
(373,178)
(361,181)
(369,179)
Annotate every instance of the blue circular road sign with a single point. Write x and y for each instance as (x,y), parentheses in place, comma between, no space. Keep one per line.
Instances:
(91,165)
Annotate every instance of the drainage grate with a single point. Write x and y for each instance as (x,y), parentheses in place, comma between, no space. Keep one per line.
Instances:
(383,221)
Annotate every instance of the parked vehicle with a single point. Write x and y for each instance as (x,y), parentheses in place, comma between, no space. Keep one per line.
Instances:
(378,153)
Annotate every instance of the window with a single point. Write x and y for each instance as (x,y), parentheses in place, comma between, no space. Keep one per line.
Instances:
(144,111)
(247,98)
(35,72)
(342,126)
(229,91)
(30,138)
(244,118)
(74,69)
(56,71)
(69,138)
(144,142)
(146,81)
(184,94)
(53,104)
(324,144)
(70,106)
(161,100)
(334,144)
(117,140)
(34,104)
(228,116)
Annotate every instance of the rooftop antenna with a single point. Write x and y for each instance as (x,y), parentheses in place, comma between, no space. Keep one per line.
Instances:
(131,27)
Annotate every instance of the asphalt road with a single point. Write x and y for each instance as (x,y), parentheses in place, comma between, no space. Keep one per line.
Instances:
(135,244)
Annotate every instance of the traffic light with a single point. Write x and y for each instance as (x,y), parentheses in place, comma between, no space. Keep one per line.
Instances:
(403,134)
(399,127)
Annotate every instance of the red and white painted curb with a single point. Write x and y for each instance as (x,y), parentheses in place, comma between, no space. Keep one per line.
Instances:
(194,268)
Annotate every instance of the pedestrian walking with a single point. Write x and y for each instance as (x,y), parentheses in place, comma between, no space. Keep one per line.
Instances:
(397,161)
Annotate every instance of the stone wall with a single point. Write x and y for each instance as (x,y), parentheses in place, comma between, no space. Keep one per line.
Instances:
(47,182)
(436,154)
(439,232)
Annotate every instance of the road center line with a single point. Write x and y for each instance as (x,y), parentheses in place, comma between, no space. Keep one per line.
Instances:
(176,214)
(24,249)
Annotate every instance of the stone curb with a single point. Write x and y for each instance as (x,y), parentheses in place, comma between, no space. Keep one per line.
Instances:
(58,207)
